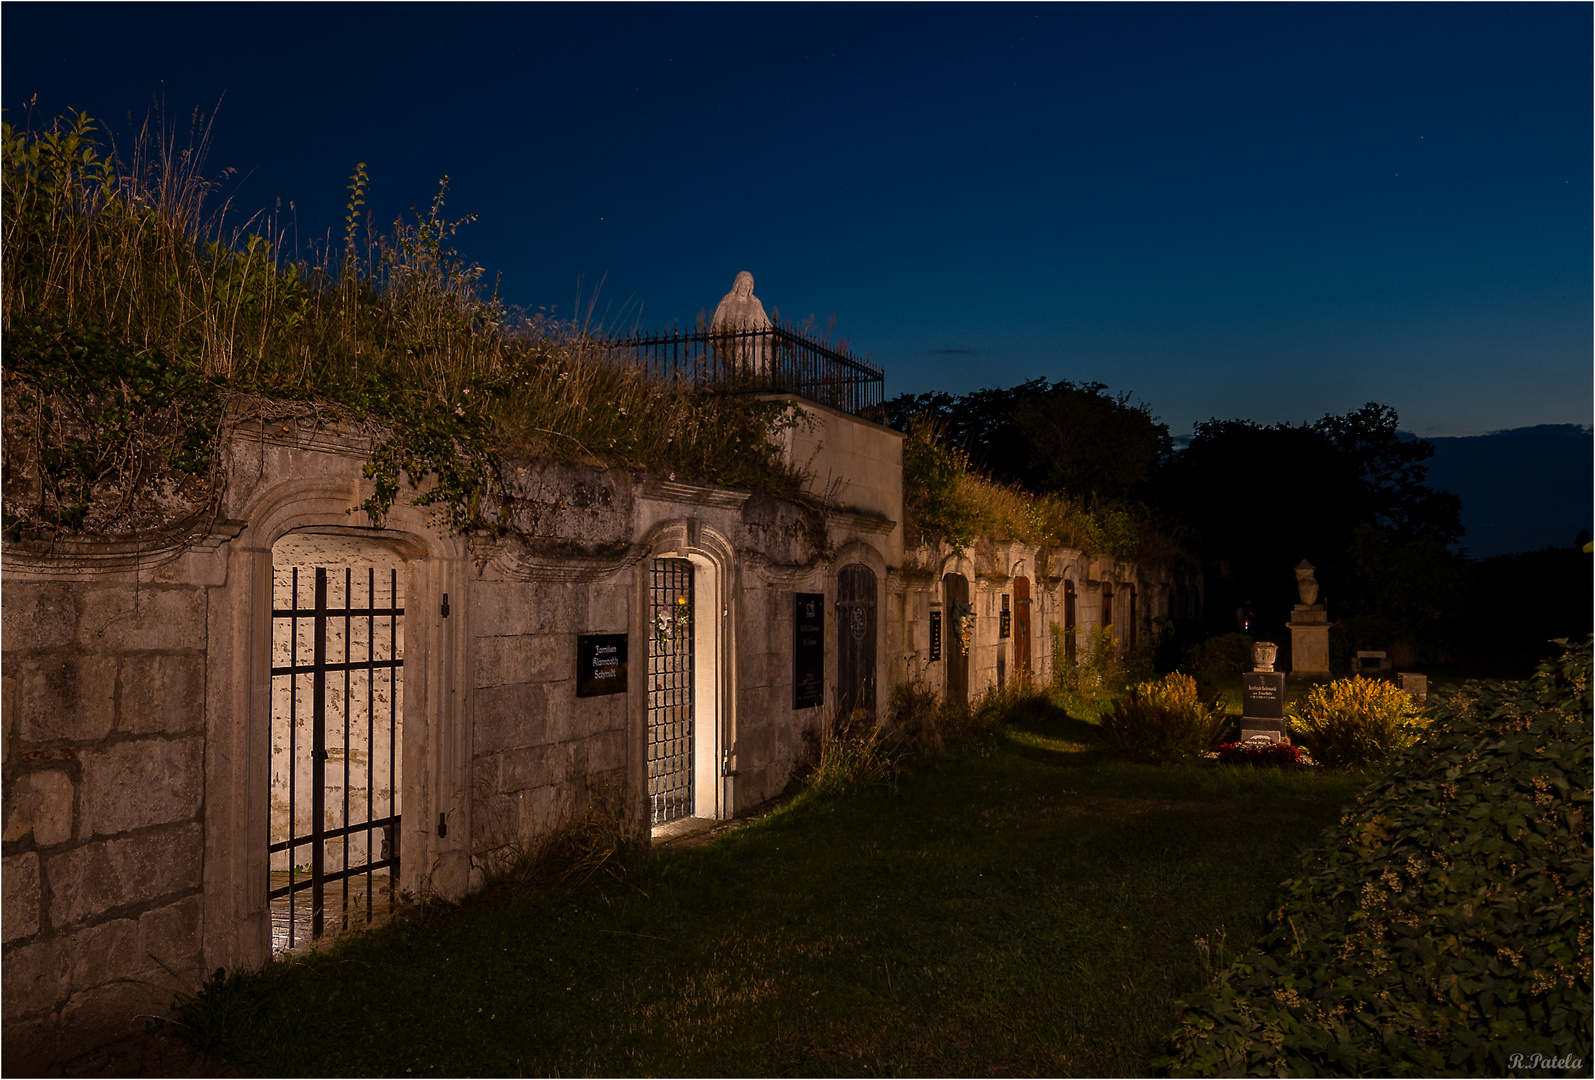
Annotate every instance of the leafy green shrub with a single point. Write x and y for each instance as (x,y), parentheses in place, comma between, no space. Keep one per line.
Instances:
(1220,659)
(1445,924)
(1163,721)
(1355,722)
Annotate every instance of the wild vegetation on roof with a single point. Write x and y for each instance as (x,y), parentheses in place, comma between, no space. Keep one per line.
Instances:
(946,498)
(142,321)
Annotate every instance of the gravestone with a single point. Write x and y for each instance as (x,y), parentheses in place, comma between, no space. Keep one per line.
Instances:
(1309,626)
(1416,685)
(1263,697)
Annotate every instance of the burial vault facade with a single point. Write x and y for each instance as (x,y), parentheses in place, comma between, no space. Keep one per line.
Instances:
(263,729)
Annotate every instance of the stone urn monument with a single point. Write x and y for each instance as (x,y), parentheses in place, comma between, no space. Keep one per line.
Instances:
(1306,584)
(1309,626)
(1263,653)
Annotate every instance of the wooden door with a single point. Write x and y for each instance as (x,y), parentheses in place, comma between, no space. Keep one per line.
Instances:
(955,601)
(856,630)
(1021,627)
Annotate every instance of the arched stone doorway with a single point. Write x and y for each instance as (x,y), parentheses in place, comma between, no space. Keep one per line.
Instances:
(857,630)
(1069,620)
(337,734)
(1021,627)
(955,602)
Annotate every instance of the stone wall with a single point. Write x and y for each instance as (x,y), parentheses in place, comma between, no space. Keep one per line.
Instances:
(103,794)
(144,769)
(143,774)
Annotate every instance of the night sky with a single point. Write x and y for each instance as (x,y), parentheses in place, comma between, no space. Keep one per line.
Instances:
(1257,211)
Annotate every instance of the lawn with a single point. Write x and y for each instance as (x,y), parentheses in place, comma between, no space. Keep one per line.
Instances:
(1033,909)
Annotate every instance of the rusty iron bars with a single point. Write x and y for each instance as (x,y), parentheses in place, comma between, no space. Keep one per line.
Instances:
(773,360)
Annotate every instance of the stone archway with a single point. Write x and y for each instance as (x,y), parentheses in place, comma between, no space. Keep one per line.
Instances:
(337,736)
(955,600)
(857,631)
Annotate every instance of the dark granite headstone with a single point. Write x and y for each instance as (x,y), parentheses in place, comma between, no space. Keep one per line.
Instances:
(600,664)
(1263,695)
(935,636)
(808,649)
(1263,703)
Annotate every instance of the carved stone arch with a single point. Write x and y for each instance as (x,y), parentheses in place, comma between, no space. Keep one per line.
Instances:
(856,655)
(713,627)
(953,588)
(436,824)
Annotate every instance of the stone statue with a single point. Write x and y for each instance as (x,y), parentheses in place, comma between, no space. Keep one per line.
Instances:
(1263,653)
(739,309)
(1306,584)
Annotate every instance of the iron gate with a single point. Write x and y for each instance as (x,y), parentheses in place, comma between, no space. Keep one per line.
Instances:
(670,691)
(333,818)
(855,638)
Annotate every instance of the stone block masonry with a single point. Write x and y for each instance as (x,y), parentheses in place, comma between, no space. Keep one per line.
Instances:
(103,791)
(143,768)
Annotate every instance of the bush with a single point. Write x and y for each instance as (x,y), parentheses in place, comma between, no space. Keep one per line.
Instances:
(1445,925)
(1163,721)
(1355,722)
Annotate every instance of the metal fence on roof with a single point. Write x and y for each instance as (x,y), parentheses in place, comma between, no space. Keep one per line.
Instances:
(772,360)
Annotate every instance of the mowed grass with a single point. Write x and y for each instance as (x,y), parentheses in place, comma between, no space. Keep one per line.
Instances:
(1031,910)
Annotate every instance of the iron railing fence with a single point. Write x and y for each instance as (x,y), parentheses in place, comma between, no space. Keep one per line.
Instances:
(772,360)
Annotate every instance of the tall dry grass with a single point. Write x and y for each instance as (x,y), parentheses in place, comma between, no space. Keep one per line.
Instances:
(115,262)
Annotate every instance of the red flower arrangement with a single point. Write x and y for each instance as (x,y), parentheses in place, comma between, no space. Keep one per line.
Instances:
(1279,753)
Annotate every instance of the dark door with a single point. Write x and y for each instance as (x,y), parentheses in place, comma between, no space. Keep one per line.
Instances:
(955,602)
(855,640)
(1068,622)
(1021,627)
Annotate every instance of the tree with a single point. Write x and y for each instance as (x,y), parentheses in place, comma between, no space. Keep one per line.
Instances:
(1048,436)
(1257,500)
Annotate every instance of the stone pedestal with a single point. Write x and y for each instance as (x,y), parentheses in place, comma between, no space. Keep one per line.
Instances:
(1263,706)
(1309,639)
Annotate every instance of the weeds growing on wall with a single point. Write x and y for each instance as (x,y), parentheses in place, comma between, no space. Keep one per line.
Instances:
(140,322)
(944,499)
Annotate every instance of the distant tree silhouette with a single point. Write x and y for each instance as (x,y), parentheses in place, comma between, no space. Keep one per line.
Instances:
(1259,499)
(1048,436)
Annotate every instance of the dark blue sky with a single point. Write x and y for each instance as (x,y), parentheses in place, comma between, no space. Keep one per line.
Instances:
(1256,211)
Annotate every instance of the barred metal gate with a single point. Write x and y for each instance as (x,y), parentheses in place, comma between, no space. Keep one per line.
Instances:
(337,666)
(670,691)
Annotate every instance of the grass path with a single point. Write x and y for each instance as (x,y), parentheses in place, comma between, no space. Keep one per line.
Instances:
(1031,911)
